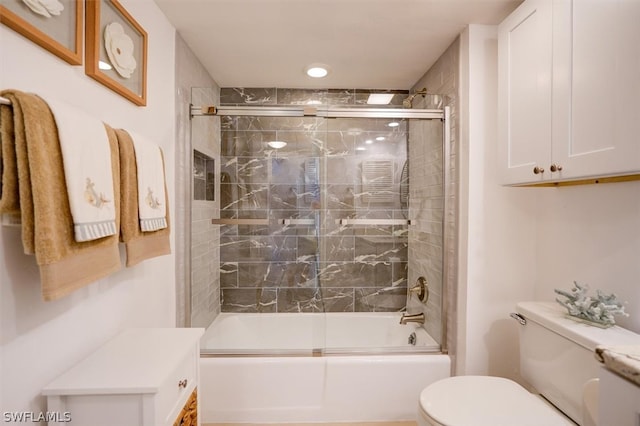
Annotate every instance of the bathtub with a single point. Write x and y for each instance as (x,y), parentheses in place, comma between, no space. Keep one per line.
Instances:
(335,367)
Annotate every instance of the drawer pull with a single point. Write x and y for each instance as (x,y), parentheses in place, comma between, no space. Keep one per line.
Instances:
(182,383)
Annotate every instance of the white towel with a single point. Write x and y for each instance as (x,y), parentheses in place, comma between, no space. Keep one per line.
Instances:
(86,156)
(151,196)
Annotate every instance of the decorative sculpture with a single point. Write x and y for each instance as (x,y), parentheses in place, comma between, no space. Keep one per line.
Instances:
(599,310)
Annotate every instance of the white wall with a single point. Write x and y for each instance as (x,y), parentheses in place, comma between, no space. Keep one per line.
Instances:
(497,228)
(39,340)
(591,234)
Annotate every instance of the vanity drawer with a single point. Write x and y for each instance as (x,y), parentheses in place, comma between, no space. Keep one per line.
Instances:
(176,389)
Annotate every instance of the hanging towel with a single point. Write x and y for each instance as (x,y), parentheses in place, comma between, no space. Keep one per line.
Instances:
(47,226)
(86,157)
(139,245)
(9,195)
(152,208)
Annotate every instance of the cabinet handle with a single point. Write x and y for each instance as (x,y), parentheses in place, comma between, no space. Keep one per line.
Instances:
(537,170)
(182,383)
(555,167)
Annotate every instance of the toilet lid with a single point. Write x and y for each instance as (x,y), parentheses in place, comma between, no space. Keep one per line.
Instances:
(483,400)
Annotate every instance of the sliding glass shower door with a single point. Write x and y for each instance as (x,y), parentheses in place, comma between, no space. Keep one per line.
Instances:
(314,214)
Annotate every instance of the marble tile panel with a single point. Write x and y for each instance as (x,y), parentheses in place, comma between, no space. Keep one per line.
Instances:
(288,170)
(229,274)
(249,300)
(340,248)
(250,143)
(253,170)
(340,197)
(244,196)
(260,274)
(310,97)
(300,300)
(247,96)
(390,299)
(338,299)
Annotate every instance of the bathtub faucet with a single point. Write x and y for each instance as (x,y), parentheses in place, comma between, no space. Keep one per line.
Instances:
(419,318)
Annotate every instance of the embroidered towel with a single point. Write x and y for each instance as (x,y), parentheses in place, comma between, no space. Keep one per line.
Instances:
(87,170)
(139,245)
(47,227)
(152,209)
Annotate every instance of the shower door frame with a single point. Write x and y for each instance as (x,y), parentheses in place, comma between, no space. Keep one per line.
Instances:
(352,112)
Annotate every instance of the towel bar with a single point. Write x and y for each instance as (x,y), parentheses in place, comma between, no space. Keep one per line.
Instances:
(302,222)
(4,101)
(373,222)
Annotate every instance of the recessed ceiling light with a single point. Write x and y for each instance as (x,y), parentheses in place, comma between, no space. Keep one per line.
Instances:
(361,148)
(380,98)
(368,141)
(277,144)
(317,70)
(393,124)
(380,138)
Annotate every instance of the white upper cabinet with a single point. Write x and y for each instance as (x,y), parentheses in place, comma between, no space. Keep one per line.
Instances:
(524,75)
(592,123)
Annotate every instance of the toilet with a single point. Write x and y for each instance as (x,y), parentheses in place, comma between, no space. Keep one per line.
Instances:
(556,359)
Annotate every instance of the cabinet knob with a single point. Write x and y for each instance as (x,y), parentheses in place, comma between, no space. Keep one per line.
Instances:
(537,170)
(182,383)
(555,167)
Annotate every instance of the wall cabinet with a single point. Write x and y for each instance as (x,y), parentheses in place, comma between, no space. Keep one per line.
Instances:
(142,377)
(569,96)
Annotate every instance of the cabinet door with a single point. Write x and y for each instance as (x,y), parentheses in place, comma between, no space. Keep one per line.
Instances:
(524,98)
(597,87)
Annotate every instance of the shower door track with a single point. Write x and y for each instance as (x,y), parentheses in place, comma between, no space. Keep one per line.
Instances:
(269,111)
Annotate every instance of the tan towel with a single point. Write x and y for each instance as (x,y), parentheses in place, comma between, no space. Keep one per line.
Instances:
(9,195)
(140,245)
(47,226)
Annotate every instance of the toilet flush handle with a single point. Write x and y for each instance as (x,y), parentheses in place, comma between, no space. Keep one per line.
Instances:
(522,320)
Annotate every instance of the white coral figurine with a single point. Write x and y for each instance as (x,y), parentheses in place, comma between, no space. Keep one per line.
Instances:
(600,310)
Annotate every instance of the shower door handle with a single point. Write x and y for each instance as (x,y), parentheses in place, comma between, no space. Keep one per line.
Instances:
(373,222)
(300,222)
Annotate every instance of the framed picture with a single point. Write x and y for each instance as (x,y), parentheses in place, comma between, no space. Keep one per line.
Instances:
(55,25)
(116,50)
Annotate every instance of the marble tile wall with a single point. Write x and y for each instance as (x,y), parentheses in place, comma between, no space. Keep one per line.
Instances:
(317,266)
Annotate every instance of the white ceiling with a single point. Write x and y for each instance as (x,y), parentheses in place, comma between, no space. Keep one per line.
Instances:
(368,44)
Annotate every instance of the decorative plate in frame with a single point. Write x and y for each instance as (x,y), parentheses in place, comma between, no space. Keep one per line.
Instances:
(55,25)
(116,50)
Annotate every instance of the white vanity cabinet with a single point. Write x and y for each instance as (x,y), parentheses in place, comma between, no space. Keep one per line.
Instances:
(142,377)
(569,100)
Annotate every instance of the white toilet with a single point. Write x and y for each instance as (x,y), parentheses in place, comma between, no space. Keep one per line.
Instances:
(556,358)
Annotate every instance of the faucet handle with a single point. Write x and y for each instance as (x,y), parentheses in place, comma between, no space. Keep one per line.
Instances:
(421,289)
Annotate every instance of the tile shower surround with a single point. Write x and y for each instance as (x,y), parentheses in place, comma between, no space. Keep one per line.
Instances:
(309,268)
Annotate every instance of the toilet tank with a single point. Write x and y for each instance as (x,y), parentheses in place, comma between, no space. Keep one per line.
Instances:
(557,354)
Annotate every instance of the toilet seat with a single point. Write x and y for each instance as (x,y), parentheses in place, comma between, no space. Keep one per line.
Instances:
(484,400)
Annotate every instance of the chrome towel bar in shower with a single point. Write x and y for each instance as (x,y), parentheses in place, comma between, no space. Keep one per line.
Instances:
(373,222)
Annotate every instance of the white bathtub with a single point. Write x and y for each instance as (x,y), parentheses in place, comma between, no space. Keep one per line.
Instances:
(370,373)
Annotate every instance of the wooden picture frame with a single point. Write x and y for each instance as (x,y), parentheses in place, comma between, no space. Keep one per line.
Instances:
(57,30)
(116,50)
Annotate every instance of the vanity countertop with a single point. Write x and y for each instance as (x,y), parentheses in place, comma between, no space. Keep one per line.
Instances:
(623,360)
